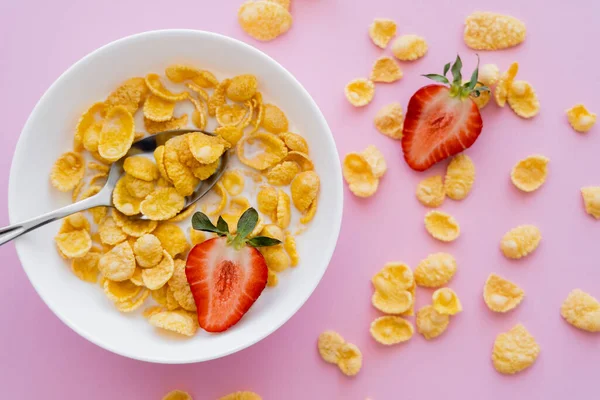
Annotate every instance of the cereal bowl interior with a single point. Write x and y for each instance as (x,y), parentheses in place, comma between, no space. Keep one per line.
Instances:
(49,132)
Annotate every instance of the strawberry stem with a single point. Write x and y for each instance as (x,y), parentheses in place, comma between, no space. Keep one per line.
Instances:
(457,88)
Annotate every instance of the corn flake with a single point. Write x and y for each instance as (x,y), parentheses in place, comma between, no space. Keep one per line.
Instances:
(385,69)
(359,175)
(375,159)
(117,134)
(172,238)
(185,214)
(360,92)
(178,73)
(89,125)
(67,171)
(489,74)
(134,227)
(181,288)
(390,330)
(435,270)
(329,345)
(305,189)
(220,191)
(158,109)
(162,204)
(430,191)
(282,174)
(232,134)
(445,301)
(580,118)
(582,311)
(130,95)
(442,226)
(301,159)
(492,31)
(74,244)
(276,258)
(431,323)
(389,120)
(156,87)
(460,176)
(273,150)
(591,200)
(505,83)
(483,99)
(350,359)
(274,120)
(283,213)
(218,97)
(110,232)
(86,267)
(206,148)
(123,201)
(530,173)
(514,350)
(393,301)
(120,291)
(173,124)
(409,47)
(523,99)
(119,263)
(148,251)
(137,187)
(176,394)
(264,20)
(245,395)
(179,321)
(230,114)
(75,222)
(242,87)
(520,241)
(267,200)
(381,31)
(182,177)
(141,168)
(233,182)
(156,277)
(500,294)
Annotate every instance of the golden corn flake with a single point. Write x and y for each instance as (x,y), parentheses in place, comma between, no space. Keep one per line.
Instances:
(199,114)
(162,204)
(178,73)
(580,118)
(505,83)
(394,275)
(266,200)
(119,263)
(120,291)
(310,213)
(180,287)
(156,277)
(86,267)
(483,99)
(172,238)
(156,87)
(67,171)
(430,191)
(185,214)
(245,395)
(520,241)
(273,231)
(360,92)
(182,177)
(137,187)
(159,158)
(123,201)
(272,150)
(523,99)
(172,303)
(272,279)
(329,345)
(218,97)
(160,296)
(110,232)
(173,124)
(305,188)
(392,300)
(385,69)
(130,94)
(242,87)
(359,175)
(591,200)
(289,244)
(431,323)
(233,182)
(301,159)
(205,148)
(381,31)
(148,251)
(197,237)
(274,120)
(436,270)
(177,394)
(492,31)
(350,359)
(158,109)
(264,20)
(232,134)
(530,173)
(500,294)
(117,134)
(141,168)
(514,350)
(230,114)
(442,226)
(283,174)
(460,176)
(75,222)
(134,227)
(205,79)
(389,120)
(276,258)
(582,311)
(375,159)
(294,142)
(390,330)
(445,301)
(134,303)
(179,321)
(89,125)
(409,47)
(489,74)
(219,190)
(283,213)
(76,191)
(74,244)
(136,278)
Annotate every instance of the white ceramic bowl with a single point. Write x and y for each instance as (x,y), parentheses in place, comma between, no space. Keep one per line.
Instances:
(49,132)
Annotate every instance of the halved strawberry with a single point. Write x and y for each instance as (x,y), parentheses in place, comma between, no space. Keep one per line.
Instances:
(226,274)
(441,121)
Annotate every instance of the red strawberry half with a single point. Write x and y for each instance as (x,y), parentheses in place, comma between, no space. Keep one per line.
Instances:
(441,120)
(226,274)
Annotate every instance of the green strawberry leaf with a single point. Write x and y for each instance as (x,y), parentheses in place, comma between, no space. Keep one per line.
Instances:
(247,223)
(437,78)
(263,241)
(201,222)
(222,225)
(446,68)
(457,76)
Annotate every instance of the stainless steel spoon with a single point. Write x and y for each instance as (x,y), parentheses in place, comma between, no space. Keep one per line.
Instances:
(104,197)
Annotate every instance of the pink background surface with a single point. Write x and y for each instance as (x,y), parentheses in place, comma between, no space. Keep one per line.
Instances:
(328,46)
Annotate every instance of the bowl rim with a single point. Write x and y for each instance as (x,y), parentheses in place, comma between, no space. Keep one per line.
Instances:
(336,213)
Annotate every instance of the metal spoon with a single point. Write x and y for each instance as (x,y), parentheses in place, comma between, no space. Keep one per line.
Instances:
(104,197)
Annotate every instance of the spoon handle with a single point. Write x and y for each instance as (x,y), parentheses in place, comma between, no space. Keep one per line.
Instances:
(14,231)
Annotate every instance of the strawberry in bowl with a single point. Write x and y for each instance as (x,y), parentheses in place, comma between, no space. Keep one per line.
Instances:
(441,120)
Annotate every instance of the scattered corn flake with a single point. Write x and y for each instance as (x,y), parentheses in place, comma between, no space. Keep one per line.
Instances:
(74,244)
(445,301)
(205,171)
(350,359)
(137,187)
(117,134)
(119,263)
(176,394)
(91,137)
(88,125)
(483,99)
(148,251)
(289,244)
(230,114)
(180,287)
(101,168)
(390,330)
(162,204)
(123,201)
(394,275)
(514,350)
(121,291)
(360,92)
(392,301)
(178,73)
(158,109)
(134,227)
(136,278)
(580,118)
(283,213)
(501,295)
(273,231)
(220,191)
(505,83)
(359,175)
(431,192)
(385,69)
(305,189)
(156,277)
(520,241)
(179,321)
(264,20)
(302,159)
(591,200)
(172,238)
(489,74)
(442,226)
(431,323)
(329,345)
(231,134)
(157,88)
(272,279)
(245,395)
(206,148)
(493,31)
(159,158)
(160,295)
(141,168)
(435,270)
(294,142)
(530,173)
(242,87)
(185,214)
(273,150)
(67,171)
(133,304)
(75,222)
(276,257)
(409,47)
(173,124)
(110,232)
(310,213)
(375,159)
(381,31)
(233,182)
(460,176)
(172,303)
(282,174)
(389,120)
(267,200)
(218,97)
(182,177)
(205,79)
(199,118)
(523,100)
(274,120)
(582,311)
(86,267)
